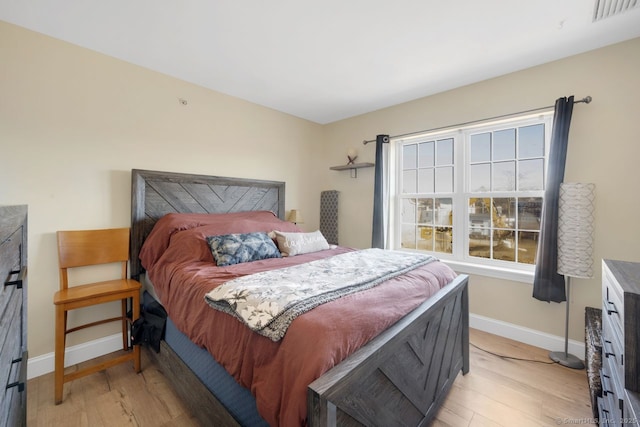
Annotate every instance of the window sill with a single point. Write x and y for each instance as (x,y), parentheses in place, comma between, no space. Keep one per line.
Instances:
(491,271)
(524,275)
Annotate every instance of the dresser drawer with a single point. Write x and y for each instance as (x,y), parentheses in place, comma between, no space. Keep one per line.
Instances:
(612,367)
(612,302)
(11,343)
(611,399)
(612,351)
(606,416)
(10,258)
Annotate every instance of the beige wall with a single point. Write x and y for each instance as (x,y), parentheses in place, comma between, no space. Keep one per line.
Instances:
(604,148)
(73,123)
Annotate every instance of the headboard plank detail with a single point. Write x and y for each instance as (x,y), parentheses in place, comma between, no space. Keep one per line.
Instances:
(155,194)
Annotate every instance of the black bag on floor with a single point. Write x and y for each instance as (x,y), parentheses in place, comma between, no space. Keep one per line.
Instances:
(148,329)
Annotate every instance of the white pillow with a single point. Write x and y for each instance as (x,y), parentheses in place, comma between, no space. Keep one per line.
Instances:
(291,244)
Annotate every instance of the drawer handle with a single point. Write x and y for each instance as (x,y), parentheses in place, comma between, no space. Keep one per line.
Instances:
(22,376)
(612,310)
(607,353)
(22,273)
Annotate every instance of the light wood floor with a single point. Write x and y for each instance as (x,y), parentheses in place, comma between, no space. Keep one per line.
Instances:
(503,392)
(496,392)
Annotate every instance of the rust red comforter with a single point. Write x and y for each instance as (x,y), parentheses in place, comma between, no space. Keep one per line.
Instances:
(181,267)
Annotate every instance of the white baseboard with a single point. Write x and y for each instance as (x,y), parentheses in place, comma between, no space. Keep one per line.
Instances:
(526,335)
(44,364)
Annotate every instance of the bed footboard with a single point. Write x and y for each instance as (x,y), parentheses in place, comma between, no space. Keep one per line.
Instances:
(402,376)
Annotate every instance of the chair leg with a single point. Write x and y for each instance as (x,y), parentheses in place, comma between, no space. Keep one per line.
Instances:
(125,339)
(135,313)
(61,326)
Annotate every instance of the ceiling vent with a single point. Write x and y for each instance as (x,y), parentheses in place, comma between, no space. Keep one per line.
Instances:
(607,8)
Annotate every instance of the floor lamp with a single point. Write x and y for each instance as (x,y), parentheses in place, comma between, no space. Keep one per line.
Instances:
(575,249)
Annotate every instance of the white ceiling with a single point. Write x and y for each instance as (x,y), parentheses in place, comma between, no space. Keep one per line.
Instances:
(326,60)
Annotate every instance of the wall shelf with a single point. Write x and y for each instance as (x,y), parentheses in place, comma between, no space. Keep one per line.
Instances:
(353,168)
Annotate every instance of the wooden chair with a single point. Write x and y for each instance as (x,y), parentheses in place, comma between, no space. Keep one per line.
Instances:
(89,248)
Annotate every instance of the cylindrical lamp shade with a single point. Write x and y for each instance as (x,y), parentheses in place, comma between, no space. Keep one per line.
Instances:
(575,229)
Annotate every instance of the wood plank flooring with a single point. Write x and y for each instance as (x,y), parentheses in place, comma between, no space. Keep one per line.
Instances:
(506,392)
(496,392)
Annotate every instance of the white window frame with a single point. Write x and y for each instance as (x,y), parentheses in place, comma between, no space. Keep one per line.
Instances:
(460,259)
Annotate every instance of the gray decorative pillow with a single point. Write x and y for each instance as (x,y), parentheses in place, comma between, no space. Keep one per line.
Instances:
(291,244)
(229,249)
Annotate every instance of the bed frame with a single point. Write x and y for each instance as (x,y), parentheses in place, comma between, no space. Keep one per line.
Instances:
(399,378)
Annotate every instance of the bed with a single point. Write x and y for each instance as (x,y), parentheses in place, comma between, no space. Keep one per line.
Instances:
(399,376)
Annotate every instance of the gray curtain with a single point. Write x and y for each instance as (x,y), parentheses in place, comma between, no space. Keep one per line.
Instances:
(548,285)
(378,232)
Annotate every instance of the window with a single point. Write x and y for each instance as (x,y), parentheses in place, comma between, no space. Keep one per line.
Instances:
(427,186)
(473,194)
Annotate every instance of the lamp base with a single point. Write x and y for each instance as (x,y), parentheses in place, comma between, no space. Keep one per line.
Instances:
(566,359)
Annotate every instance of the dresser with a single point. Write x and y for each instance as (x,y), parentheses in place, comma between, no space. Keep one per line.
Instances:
(13,315)
(620,372)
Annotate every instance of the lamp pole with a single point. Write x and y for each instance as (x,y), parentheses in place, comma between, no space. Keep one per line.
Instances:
(564,358)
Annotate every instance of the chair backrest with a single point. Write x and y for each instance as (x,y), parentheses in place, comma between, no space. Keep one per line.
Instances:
(80,248)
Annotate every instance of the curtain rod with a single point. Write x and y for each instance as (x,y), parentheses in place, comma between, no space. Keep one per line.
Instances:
(587,99)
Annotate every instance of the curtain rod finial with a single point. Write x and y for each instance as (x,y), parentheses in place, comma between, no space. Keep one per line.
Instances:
(588,99)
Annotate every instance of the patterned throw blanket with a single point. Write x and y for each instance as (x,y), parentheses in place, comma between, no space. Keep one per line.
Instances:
(267,302)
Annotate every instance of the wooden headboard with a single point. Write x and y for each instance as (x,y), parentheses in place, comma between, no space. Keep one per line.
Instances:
(155,194)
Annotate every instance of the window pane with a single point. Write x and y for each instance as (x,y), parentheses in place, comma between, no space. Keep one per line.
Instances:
(479,242)
(444,239)
(504,176)
(409,181)
(425,154)
(425,238)
(425,211)
(480,213)
(444,152)
(531,175)
(481,147)
(444,211)
(531,141)
(444,180)
(504,144)
(409,156)
(527,247)
(504,212)
(529,213)
(480,179)
(408,236)
(425,180)
(504,245)
(409,211)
